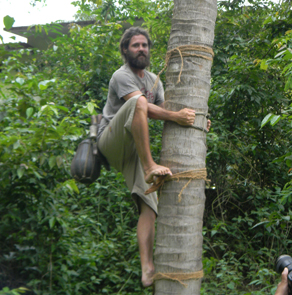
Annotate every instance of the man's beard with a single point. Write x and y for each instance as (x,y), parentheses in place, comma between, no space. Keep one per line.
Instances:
(136,62)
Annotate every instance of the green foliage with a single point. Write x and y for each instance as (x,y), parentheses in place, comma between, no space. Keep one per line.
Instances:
(8,22)
(18,291)
(57,236)
(247,216)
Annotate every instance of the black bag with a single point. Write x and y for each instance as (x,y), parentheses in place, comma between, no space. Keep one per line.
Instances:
(87,162)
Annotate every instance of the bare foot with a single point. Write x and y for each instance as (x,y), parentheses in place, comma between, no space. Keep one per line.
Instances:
(147,278)
(155,171)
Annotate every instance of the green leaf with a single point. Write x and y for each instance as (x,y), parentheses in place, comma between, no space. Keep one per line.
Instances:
(288,84)
(16,145)
(62,222)
(23,289)
(287,218)
(97,2)
(266,119)
(71,184)
(280,53)
(90,107)
(275,120)
(52,222)
(29,112)
(43,158)
(287,55)
(59,161)
(213,232)
(287,68)
(264,65)
(54,109)
(19,290)
(19,80)
(20,172)
(268,20)
(38,176)
(52,161)
(63,108)
(260,223)
(44,84)
(8,22)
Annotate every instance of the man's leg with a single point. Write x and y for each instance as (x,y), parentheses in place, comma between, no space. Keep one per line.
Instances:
(140,134)
(145,235)
(117,144)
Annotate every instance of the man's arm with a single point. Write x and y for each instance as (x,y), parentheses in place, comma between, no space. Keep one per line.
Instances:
(184,117)
(283,288)
(208,121)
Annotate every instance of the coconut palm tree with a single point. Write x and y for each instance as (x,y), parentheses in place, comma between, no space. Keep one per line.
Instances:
(179,224)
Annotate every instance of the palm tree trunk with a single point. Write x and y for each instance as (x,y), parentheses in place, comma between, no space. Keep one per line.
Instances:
(179,224)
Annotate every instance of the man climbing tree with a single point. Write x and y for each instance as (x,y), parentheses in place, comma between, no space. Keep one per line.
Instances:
(124,138)
(178,254)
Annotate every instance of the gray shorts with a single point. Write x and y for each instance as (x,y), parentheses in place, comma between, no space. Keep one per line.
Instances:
(117,144)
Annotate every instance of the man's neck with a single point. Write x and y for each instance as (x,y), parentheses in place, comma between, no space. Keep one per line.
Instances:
(138,72)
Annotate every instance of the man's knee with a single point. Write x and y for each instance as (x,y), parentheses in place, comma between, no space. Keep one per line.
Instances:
(142,104)
(145,209)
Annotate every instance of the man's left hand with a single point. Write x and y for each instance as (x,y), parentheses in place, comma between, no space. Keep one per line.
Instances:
(185,117)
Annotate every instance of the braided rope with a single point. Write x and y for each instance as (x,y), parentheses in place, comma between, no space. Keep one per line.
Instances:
(183,51)
(190,174)
(179,277)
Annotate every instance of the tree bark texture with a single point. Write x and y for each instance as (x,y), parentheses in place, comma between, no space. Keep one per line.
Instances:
(179,224)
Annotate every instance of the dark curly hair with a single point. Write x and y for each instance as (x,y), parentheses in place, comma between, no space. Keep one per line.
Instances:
(127,36)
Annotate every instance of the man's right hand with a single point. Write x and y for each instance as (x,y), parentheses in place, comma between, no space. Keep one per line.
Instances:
(185,117)
(283,285)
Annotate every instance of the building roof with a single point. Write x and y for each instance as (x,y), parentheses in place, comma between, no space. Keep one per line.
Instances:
(41,39)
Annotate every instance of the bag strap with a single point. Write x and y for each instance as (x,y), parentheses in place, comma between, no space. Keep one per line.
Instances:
(99,117)
(95,121)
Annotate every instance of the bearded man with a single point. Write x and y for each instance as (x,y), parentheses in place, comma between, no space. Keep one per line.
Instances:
(124,138)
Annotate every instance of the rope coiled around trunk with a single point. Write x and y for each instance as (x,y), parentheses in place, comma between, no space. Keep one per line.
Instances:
(179,277)
(184,51)
(190,174)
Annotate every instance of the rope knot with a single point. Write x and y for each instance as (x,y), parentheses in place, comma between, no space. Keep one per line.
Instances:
(190,174)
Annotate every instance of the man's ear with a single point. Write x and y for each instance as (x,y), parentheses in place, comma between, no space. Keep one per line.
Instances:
(124,50)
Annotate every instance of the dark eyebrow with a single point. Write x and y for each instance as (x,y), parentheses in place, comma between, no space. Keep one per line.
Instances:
(136,43)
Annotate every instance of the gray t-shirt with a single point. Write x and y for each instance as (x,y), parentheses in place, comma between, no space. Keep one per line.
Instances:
(123,82)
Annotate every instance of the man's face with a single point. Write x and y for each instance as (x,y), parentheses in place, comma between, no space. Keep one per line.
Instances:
(137,54)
